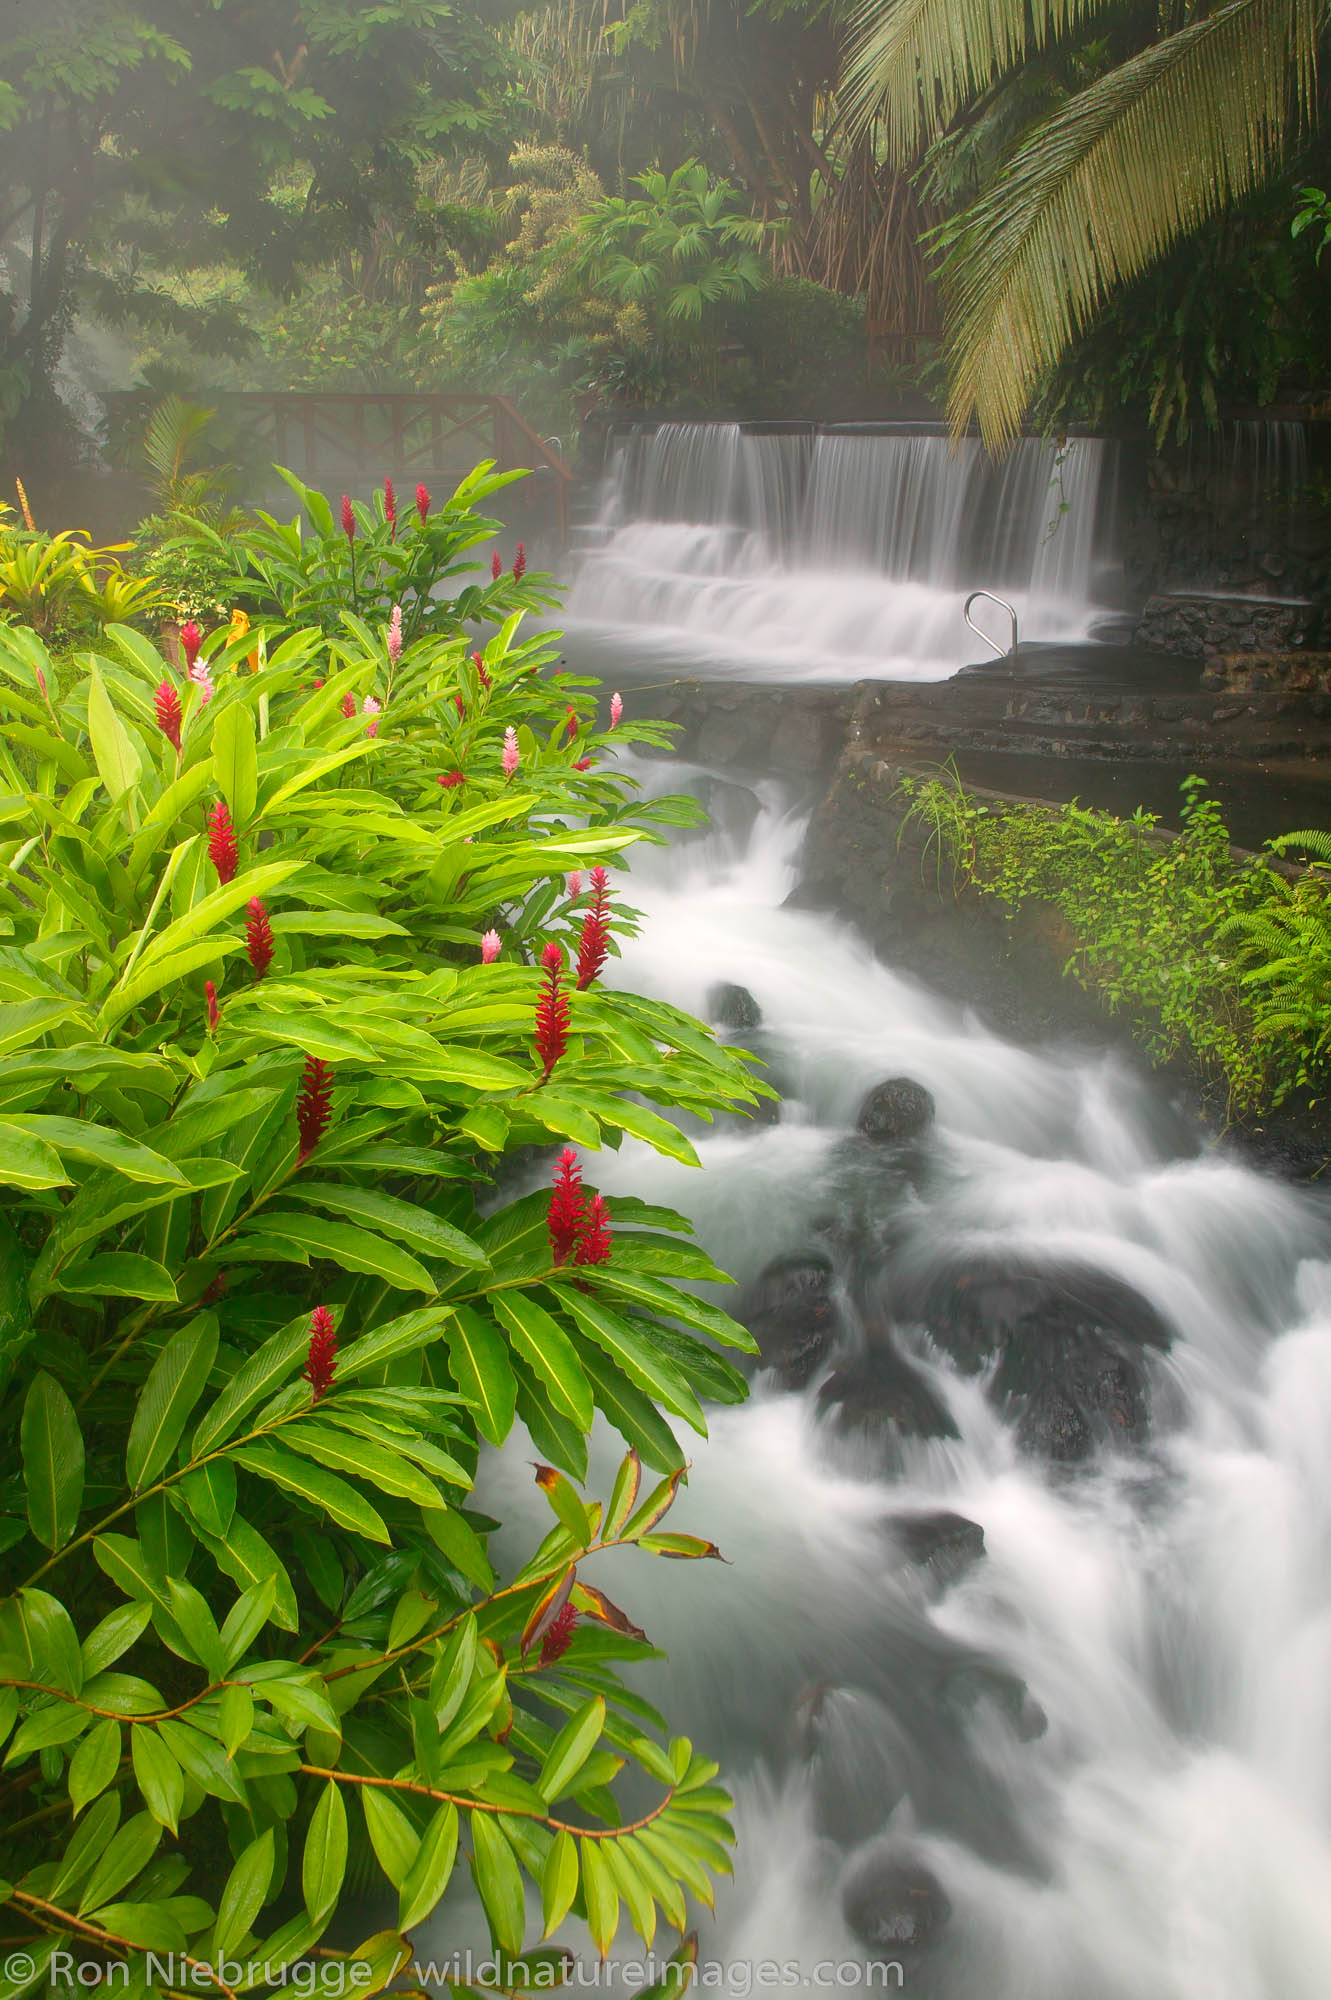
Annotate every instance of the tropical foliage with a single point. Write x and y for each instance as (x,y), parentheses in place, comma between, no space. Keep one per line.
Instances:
(1180,122)
(292,961)
(1222,958)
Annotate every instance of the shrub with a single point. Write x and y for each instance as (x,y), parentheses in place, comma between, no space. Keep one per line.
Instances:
(1211,955)
(286,975)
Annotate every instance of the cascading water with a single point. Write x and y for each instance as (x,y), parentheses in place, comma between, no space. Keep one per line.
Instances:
(838,555)
(1092,1762)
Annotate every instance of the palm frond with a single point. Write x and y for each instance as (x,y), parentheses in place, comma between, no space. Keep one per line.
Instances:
(1105,186)
(912,63)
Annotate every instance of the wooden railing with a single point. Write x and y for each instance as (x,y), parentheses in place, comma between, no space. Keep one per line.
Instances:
(339,439)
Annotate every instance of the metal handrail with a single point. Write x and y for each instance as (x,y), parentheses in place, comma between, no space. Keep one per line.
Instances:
(979,630)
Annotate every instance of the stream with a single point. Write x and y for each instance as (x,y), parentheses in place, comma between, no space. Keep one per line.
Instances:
(1019,1667)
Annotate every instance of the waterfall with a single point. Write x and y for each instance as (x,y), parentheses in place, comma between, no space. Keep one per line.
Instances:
(839,553)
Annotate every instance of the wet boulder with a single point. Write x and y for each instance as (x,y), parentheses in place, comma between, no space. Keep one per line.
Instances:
(791,1311)
(733,1007)
(943,1544)
(968,1689)
(894,1905)
(732,810)
(881,1396)
(855,1759)
(895,1111)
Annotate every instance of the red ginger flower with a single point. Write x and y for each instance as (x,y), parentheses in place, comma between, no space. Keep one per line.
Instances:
(390,506)
(551,1011)
(461,707)
(594,945)
(557,1640)
(348,706)
(583,764)
(594,1241)
(348,518)
(568,1206)
(191,638)
(450,778)
(222,849)
(321,1360)
(423,503)
(214,1011)
(258,937)
(520,563)
(313,1105)
(481,673)
(166,705)
(572,723)
(496,566)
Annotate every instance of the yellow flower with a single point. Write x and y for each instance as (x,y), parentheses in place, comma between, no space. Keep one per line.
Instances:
(240,625)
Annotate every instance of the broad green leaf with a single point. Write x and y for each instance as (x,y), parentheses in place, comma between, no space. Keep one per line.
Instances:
(120,1274)
(235,1717)
(267,1367)
(601,1896)
(158,1775)
(394,1839)
(631,1349)
(431,1871)
(633,1414)
(244,1894)
(210,1494)
(478,1363)
(94,1763)
(402,1219)
(100,1146)
(53,1462)
(342,1503)
(354,1249)
(499,1883)
(559,1881)
(128,1854)
(117,760)
(548,1352)
(570,1750)
(324,1862)
(244,1556)
(389,1472)
(113,1636)
(236,761)
(27,1161)
(175,1382)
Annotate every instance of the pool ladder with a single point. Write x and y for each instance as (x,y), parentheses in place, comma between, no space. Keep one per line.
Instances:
(979,630)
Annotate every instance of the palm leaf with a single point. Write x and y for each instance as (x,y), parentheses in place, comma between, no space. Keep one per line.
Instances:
(1104,187)
(913,63)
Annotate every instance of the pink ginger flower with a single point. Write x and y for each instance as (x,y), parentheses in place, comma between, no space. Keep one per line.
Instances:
(395,635)
(616,709)
(511,754)
(490,946)
(201,675)
(575,884)
(372,709)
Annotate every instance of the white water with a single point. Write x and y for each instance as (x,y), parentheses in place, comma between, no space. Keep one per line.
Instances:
(1169,1836)
(839,555)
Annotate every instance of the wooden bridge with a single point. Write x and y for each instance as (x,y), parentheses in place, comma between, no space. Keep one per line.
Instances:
(337,440)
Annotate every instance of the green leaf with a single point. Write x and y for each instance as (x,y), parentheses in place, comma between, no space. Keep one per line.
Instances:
(27,1161)
(388,1471)
(353,1249)
(634,1415)
(270,1365)
(601,1896)
(120,1274)
(236,761)
(430,1873)
(149,1925)
(113,1636)
(235,1717)
(499,1883)
(478,1363)
(548,1352)
(128,1854)
(53,1462)
(559,1881)
(631,1349)
(246,1557)
(461,1544)
(100,1146)
(94,1763)
(210,1494)
(403,1219)
(245,1893)
(324,1862)
(158,1775)
(117,760)
(342,1503)
(175,1382)
(570,1750)
(192,1614)
(393,1837)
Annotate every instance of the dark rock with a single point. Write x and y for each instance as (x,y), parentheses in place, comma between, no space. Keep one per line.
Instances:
(896,1110)
(894,1905)
(945,1544)
(791,1312)
(878,1393)
(733,1007)
(855,1759)
(969,1688)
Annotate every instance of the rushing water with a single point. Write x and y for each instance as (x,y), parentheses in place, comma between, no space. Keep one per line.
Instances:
(1106,1744)
(837,554)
